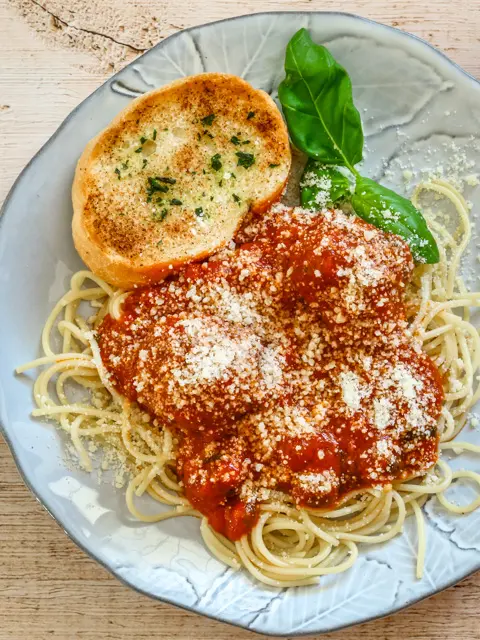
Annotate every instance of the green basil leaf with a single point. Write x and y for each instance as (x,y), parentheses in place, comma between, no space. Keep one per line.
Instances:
(387,210)
(322,186)
(316,98)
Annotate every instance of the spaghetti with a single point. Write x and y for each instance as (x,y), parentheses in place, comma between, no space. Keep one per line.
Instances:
(288,546)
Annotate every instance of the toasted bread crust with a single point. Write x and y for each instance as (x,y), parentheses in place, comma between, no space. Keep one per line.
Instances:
(131,235)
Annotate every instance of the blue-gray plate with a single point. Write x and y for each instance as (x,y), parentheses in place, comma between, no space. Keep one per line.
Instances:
(420,111)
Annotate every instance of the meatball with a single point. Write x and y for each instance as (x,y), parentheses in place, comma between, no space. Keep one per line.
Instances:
(346,267)
(201,372)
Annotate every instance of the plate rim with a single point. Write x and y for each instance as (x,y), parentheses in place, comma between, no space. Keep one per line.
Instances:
(43,501)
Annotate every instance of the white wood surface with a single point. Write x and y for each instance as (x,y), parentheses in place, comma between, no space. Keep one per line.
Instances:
(53,53)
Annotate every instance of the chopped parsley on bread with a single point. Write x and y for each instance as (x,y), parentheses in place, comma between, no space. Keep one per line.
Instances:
(172,177)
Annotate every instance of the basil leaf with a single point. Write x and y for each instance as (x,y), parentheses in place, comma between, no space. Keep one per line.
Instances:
(316,98)
(322,186)
(387,210)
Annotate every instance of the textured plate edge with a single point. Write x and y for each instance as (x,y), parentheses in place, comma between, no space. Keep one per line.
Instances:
(43,501)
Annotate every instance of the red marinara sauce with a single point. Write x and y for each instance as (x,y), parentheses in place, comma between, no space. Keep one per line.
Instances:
(283,364)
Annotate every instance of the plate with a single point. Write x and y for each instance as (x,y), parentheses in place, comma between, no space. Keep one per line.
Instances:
(420,111)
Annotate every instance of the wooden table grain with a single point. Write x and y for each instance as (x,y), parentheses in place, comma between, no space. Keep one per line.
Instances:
(53,53)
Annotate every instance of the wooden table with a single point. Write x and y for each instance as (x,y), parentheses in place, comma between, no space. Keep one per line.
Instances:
(53,53)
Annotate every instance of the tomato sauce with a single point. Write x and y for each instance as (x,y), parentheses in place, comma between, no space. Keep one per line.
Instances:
(284,366)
